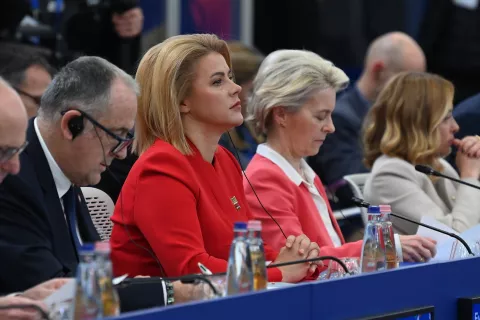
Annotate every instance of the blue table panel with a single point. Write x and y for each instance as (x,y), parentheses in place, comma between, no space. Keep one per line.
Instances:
(438,285)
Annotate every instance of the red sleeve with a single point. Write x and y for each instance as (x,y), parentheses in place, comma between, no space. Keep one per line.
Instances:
(165,212)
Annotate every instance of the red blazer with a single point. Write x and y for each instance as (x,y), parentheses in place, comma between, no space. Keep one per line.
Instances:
(293,208)
(180,209)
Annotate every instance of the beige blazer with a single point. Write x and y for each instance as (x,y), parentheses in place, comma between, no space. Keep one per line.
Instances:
(413,194)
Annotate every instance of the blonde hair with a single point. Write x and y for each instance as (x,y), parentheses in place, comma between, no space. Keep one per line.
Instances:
(289,78)
(404,120)
(165,76)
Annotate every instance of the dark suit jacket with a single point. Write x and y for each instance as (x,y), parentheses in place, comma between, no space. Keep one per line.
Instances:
(467,115)
(341,153)
(35,243)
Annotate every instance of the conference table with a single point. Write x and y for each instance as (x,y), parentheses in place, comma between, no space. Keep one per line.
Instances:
(437,286)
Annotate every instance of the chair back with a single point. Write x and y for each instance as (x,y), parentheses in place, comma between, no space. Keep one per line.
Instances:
(100,207)
(356,183)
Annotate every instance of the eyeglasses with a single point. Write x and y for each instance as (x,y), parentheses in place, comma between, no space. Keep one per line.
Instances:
(7,153)
(36,99)
(122,142)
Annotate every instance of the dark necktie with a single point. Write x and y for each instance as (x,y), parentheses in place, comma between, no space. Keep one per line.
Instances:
(70,204)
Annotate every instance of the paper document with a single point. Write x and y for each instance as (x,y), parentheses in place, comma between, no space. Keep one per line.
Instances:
(432,234)
(62,295)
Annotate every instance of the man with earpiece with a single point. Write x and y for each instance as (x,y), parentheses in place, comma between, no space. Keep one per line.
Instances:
(83,123)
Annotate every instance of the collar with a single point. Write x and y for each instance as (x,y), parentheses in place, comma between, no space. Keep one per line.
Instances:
(265,151)
(62,183)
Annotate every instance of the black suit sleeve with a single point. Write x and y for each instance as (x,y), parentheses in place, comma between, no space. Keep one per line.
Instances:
(27,254)
(142,295)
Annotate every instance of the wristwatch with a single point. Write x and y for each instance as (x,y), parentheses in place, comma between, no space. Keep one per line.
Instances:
(170,295)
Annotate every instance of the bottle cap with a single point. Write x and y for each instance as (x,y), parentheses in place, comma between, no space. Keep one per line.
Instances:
(254,225)
(87,247)
(240,226)
(373,209)
(102,246)
(385,208)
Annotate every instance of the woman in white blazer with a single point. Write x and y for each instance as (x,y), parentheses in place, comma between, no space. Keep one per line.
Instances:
(411,123)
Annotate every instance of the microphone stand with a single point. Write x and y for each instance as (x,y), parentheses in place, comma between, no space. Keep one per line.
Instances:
(363,203)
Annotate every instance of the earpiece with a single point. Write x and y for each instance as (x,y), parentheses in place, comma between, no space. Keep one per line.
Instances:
(75,125)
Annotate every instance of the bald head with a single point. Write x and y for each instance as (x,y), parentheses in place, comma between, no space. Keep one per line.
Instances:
(390,54)
(13,127)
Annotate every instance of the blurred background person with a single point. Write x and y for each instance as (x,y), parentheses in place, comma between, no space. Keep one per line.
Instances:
(292,102)
(245,63)
(411,123)
(184,193)
(450,37)
(27,71)
(13,128)
(71,28)
(342,154)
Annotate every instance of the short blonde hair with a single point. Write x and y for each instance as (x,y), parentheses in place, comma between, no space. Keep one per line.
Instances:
(404,120)
(165,75)
(289,78)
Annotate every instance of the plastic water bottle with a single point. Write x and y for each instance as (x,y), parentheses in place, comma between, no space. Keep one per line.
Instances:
(257,255)
(388,237)
(87,304)
(373,253)
(239,271)
(108,293)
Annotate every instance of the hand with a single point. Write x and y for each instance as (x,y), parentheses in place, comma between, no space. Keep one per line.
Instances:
(417,249)
(297,248)
(468,157)
(183,292)
(20,314)
(128,24)
(43,290)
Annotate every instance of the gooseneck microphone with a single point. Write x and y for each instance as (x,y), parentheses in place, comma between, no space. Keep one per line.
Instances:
(363,203)
(430,172)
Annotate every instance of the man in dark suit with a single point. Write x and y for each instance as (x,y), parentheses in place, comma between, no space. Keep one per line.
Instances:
(341,153)
(83,124)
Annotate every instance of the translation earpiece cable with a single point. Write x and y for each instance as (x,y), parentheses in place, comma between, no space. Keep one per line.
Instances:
(251,186)
(162,270)
(335,200)
(27,306)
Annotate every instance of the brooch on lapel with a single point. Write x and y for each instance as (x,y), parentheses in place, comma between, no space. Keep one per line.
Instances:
(235,203)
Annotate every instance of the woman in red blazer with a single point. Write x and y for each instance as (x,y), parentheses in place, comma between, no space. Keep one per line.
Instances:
(182,196)
(292,101)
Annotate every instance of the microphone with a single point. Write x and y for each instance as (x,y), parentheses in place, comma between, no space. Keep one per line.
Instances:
(430,172)
(363,203)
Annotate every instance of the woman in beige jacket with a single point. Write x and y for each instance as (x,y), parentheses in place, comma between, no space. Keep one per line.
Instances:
(411,123)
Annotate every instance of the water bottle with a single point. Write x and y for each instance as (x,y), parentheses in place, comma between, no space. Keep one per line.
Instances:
(257,255)
(239,270)
(388,237)
(108,293)
(87,304)
(373,253)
